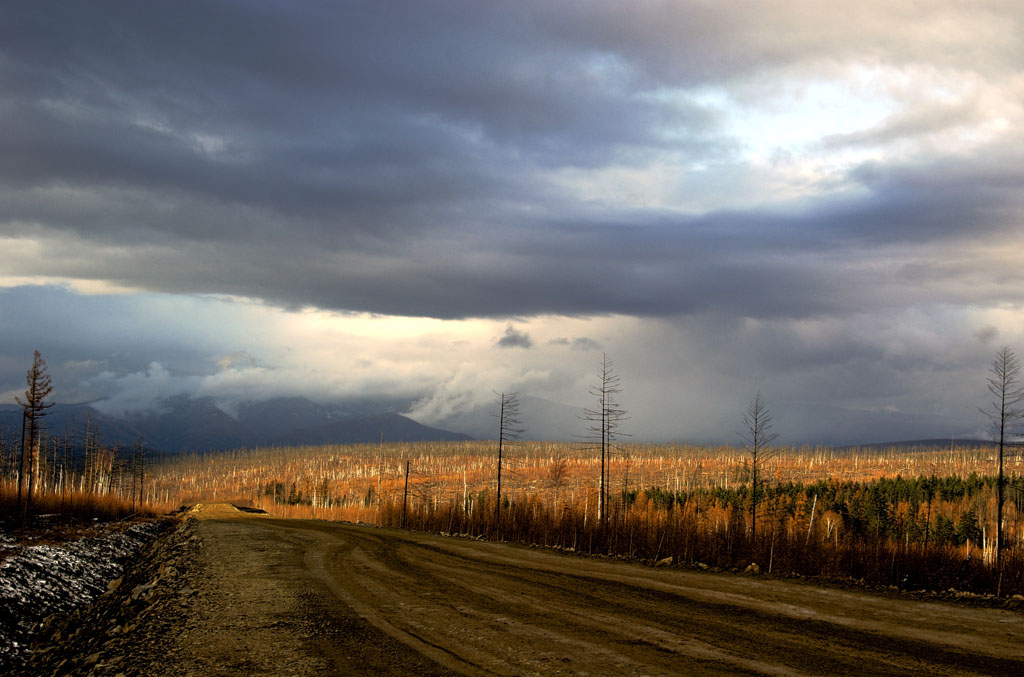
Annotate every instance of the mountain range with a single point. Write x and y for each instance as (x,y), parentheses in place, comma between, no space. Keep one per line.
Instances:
(182,424)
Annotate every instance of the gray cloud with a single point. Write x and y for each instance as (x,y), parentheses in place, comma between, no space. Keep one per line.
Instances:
(987,334)
(90,342)
(461,160)
(584,343)
(514,338)
(140,391)
(581,343)
(887,375)
(337,158)
(931,231)
(917,123)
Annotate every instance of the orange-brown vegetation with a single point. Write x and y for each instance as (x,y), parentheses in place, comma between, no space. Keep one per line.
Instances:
(95,482)
(838,513)
(74,504)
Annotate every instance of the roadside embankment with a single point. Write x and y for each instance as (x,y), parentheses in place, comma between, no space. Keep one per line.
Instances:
(75,608)
(47,579)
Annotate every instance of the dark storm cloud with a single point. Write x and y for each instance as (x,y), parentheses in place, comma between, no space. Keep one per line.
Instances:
(81,337)
(907,241)
(395,158)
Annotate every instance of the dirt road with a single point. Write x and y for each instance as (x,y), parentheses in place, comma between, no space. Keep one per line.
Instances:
(300,597)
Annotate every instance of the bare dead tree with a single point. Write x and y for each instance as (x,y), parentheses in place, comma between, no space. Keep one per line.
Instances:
(604,422)
(138,473)
(558,473)
(405,493)
(380,470)
(757,437)
(508,430)
(90,461)
(1003,412)
(7,452)
(34,408)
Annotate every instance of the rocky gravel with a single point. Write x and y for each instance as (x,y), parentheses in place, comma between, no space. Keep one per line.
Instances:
(48,579)
(127,604)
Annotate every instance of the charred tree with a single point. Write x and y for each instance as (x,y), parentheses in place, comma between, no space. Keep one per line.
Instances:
(757,437)
(603,425)
(405,494)
(1003,412)
(508,430)
(34,408)
(137,470)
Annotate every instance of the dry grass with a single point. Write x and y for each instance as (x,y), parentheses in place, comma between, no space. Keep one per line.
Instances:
(73,506)
(550,498)
(350,476)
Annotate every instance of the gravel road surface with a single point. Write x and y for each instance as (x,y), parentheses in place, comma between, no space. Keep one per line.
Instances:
(306,597)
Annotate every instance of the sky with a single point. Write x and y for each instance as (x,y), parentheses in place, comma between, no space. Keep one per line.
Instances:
(439,200)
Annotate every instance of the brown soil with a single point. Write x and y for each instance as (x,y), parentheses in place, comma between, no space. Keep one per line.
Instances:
(271,597)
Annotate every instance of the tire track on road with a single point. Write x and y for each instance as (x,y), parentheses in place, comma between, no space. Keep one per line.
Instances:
(479,608)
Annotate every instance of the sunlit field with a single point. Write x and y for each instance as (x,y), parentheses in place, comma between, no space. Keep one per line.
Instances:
(902,517)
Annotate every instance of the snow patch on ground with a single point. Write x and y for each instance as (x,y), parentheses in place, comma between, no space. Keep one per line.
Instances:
(37,581)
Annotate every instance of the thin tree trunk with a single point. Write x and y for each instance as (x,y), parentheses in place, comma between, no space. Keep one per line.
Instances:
(21,471)
(810,526)
(405,493)
(501,440)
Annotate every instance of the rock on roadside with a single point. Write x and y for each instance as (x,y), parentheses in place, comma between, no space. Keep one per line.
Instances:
(98,639)
(48,581)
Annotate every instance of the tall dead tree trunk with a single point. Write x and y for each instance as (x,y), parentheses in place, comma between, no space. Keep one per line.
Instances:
(757,437)
(1003,412)
(21,464)
(604,422)
(405,493)
(508,422)
(34,408)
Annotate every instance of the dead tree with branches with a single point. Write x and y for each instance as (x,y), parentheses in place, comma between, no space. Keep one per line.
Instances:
(34,408)
(603,425)
(757,437)
(1003,412)
(508,430)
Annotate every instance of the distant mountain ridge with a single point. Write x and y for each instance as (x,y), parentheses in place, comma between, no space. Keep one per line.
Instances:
(182,424)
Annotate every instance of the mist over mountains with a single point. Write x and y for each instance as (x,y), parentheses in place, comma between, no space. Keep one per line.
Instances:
(180,423)
(183,424)
(540,419)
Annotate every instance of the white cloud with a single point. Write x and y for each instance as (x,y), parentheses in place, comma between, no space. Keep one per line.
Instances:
(140,391)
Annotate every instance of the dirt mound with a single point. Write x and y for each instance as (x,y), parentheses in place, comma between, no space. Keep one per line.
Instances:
(222,511)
